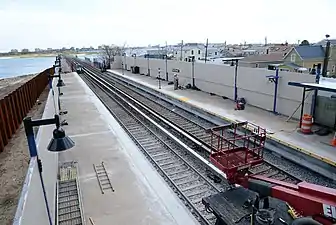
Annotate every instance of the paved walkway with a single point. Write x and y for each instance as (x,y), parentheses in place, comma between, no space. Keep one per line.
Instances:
(277,127)
(140,195)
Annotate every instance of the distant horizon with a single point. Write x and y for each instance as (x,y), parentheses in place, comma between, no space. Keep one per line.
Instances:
(32,50)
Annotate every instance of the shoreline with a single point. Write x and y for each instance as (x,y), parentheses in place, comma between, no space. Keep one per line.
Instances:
(41,55)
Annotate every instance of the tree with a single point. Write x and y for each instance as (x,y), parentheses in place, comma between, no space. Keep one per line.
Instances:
(25,50)
(109,52)
(304,42)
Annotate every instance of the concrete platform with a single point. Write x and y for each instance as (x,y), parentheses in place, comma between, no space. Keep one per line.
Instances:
(278,129)
(141,196)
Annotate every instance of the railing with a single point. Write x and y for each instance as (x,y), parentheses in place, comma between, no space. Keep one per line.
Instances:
(15,105)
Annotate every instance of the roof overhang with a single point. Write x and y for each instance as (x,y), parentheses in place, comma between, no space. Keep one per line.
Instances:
(313,86)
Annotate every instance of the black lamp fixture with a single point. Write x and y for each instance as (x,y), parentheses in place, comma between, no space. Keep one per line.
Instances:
(60,82)
(58,143)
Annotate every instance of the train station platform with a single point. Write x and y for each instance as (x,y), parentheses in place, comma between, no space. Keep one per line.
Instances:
(278,129)
(137,194)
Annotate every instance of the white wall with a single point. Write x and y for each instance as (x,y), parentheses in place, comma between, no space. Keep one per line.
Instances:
(219,79)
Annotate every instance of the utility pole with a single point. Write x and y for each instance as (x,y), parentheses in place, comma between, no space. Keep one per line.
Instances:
(206,51)
(166,62)
(326,58)
(181,50)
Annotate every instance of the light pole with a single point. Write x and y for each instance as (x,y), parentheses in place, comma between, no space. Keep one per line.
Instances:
(159,77)
(59,84)
(58,143)
(148,70)
(326,57)
(193,71)
(235,81)
(324,74)
(166,57)
(125,60)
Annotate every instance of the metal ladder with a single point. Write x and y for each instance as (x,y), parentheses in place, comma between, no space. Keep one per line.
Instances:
(103,178)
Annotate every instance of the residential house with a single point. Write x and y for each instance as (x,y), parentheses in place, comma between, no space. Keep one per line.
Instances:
(272,55)
(261,61)
(197,51)
(305,56)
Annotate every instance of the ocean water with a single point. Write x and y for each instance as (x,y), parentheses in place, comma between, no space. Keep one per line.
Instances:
(11,67)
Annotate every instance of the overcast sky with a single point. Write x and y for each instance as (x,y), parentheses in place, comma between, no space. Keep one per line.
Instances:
(65,23)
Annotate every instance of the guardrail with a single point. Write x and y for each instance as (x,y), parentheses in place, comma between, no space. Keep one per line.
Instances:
(15,105)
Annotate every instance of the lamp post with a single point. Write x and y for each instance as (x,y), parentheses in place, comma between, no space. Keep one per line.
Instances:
(326,57)
(166,61)
(318,74)
(192,58)
(235,81)
(59,84)
(159,77)
(58,143)
(125,60)
(148,70)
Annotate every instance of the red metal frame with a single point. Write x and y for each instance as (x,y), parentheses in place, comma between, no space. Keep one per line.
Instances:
(308,199)
(237,148)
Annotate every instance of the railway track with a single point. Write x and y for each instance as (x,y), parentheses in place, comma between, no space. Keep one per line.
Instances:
(186,178)
(158,128)
(193,125)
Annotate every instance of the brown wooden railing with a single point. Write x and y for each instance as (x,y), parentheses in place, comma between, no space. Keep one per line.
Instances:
(15,105)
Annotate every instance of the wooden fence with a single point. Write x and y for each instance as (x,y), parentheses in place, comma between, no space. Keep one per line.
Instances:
(15,105)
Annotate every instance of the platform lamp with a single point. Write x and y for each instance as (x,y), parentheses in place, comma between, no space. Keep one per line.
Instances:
(59,142)
(59,84)
(159,77)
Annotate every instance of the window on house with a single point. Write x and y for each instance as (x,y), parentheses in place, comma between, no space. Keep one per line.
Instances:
(192,52)
(215,53)
(199,51)
(293,57)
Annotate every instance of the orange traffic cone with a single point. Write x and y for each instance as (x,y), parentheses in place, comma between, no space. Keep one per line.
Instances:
(333,141)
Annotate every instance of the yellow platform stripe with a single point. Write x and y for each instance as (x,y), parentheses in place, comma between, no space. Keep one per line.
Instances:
(307,152)
(184,99)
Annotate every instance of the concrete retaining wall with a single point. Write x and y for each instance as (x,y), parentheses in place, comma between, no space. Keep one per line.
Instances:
(219,79)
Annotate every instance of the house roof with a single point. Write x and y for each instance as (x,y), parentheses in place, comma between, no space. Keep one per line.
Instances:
(282,49)
(310,51)
(324,42)
(292,65)
(263,58)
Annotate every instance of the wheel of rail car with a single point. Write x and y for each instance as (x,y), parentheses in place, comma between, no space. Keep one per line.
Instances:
(305,221)
(265,216)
